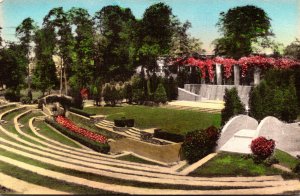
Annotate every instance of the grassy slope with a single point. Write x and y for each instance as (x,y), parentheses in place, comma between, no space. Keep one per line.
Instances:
(135,159)
(175,121)
(233,164)
(285,159)
(51,134)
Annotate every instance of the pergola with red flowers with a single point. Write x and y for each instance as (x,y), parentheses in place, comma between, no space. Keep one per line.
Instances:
(213,66)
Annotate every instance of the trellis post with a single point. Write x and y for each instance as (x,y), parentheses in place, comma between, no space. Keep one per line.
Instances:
(256,75)
(236,70)
(219,74)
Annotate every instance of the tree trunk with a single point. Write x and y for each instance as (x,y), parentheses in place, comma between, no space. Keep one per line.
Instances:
(66,82)
(61,75)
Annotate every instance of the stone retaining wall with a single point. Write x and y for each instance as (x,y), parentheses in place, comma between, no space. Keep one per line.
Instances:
(214,92)
(163,153)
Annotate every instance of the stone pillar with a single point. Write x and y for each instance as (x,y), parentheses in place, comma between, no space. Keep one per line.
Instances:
(256,76)
(236,70)
(219,74)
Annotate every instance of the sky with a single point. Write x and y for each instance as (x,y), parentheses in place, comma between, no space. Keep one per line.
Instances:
(203,14)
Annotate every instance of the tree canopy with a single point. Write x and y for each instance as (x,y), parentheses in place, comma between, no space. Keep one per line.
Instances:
(242,27)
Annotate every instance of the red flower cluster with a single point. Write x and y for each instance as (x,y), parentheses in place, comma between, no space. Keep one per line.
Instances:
(244,63)
(84,93)
(262,147)
(86,133)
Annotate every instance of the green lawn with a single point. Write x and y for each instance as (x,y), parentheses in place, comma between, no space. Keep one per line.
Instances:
(175,121)
(51,134)
(285,159)
(233,164)
(135,159)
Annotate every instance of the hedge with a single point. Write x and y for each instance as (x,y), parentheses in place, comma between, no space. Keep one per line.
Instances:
(158,133)
(80,112)
(103,148)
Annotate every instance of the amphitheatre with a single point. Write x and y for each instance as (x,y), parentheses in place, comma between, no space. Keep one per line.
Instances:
(97,99)
(74,166)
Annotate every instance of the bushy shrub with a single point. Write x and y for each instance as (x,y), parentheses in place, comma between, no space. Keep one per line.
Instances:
(262,148)
(172,92)
(233,105)
(296,169)
(77,98)
(138,96)
(160,95)
(11,95)
(29,95)
(25,100)
(107,93)
(99,147)
(128,92)
(275,96)
(161,134)
(112,94)
(199,143)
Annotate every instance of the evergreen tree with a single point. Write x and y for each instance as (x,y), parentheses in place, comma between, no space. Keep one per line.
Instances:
(160,95)
(233,105)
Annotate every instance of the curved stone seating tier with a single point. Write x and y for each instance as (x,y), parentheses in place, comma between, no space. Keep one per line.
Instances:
(237,134)
(56,155)
(183,177)
(72,152)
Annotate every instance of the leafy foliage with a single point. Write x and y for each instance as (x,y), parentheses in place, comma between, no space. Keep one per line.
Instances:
(44,77)
(160,95)
(275,96)
(199,143)
(241,27)
(233,105)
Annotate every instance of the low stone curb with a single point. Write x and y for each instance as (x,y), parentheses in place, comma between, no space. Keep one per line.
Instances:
(199,163)
(24,187)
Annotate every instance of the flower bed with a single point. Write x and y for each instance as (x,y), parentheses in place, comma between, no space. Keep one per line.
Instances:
(84,132)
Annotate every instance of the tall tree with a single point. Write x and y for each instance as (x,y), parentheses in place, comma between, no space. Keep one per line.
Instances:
(83,67)
(241,28)
(155,33)
(44,75)
(1,37)
(115,25)
(25,32)
(293,50)
(60,20)
(13,64)
(182,43)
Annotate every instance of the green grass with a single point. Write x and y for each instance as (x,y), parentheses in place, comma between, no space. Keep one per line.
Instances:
(35,94)
(51,134)
(10,116)
(135,159)
(171,120)
(84,123)
(63,186)
(233,164)
(285,159)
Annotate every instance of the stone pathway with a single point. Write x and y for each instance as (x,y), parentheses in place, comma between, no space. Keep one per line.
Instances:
(204,106)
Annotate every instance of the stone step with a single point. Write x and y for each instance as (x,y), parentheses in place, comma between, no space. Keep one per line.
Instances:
(132,134)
